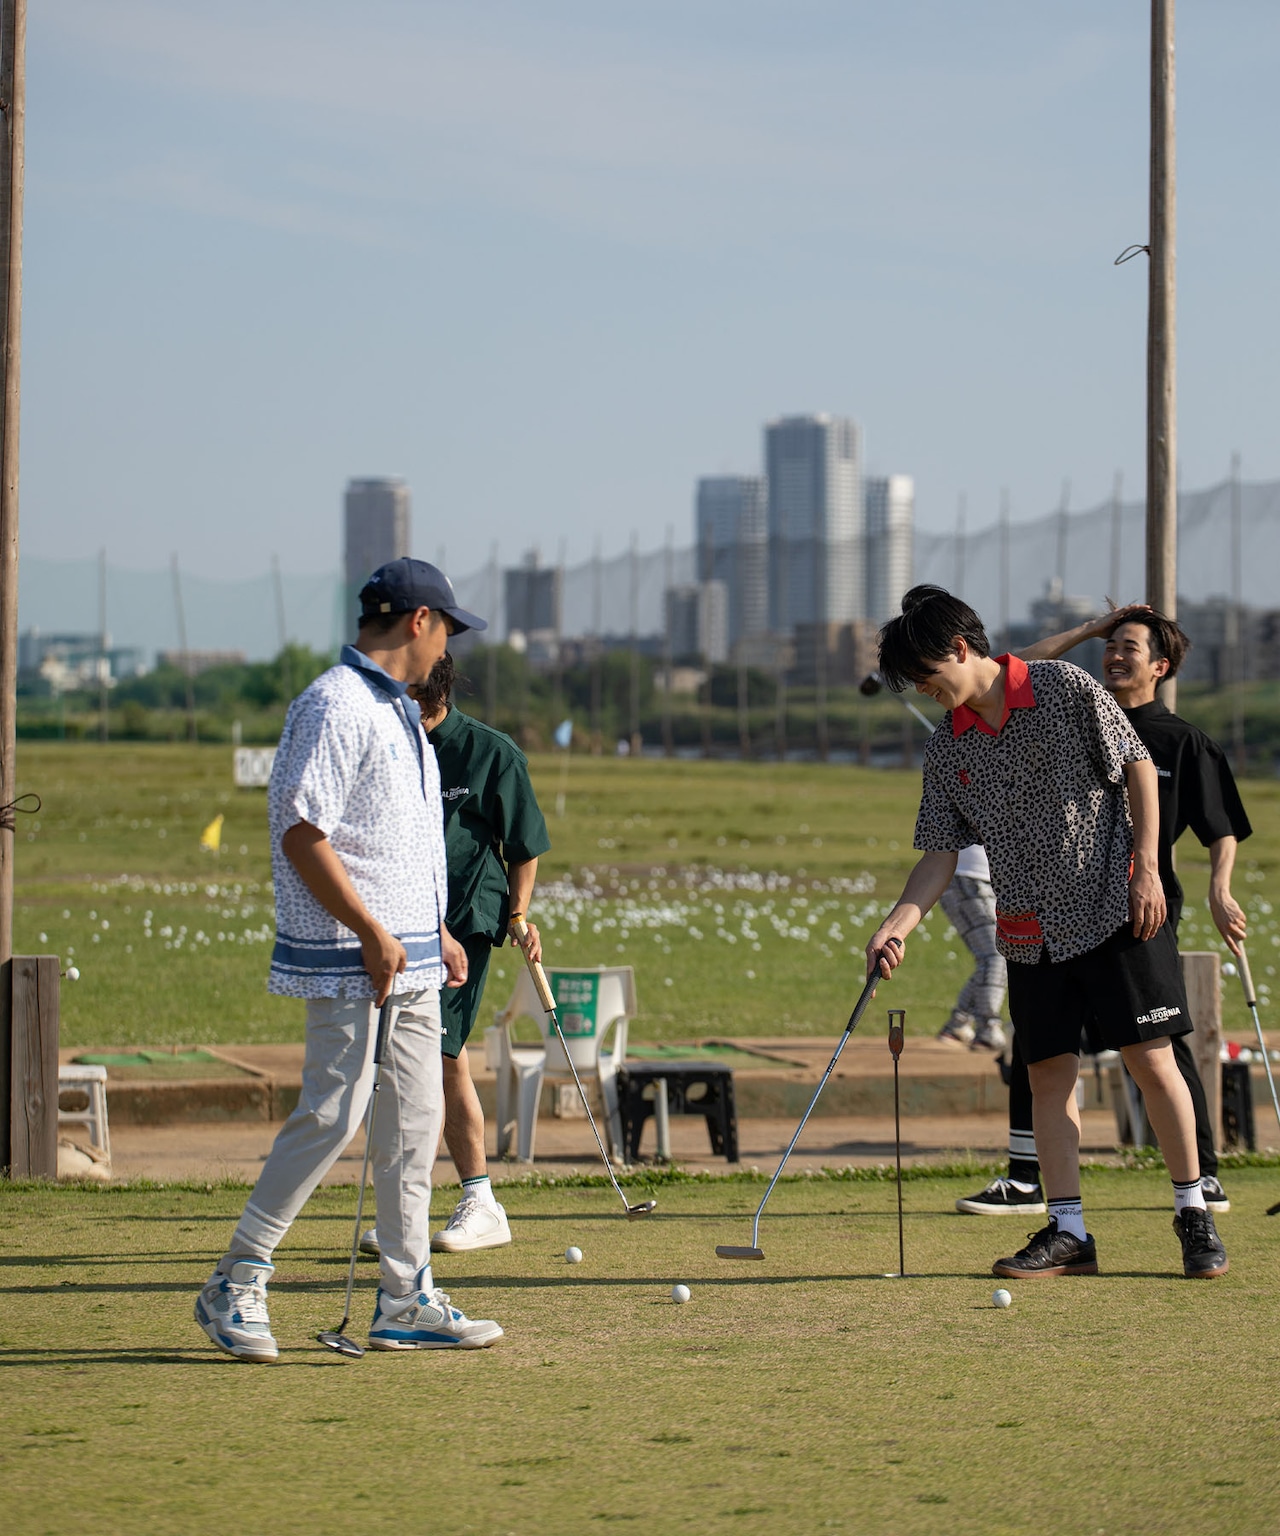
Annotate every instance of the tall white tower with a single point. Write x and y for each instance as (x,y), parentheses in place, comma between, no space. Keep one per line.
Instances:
(891,510)
(814,472)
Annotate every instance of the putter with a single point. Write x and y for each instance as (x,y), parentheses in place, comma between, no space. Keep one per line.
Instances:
(755,1251)
(897,1027)
(520,932)
(338,1340)
(1251,1003)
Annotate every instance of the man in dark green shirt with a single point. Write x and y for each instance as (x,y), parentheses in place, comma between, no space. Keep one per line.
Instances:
(493,835)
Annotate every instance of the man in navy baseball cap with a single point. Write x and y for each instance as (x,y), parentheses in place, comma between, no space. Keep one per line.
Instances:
(402,586)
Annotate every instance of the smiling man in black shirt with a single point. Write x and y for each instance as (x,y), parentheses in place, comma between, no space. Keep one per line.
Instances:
(1196,792)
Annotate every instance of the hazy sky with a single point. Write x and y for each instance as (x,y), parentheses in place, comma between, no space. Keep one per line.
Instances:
(552,261)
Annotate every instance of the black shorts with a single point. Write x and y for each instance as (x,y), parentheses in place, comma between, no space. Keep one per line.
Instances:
(459,1005)
(1123,992)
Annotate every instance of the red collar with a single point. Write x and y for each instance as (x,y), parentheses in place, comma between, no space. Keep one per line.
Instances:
(1018,694)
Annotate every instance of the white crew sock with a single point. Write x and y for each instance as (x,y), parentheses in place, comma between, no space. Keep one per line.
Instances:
(1069,1215)
(1185,1195)
(480,1189)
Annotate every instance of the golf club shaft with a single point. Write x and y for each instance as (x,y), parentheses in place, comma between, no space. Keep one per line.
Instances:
(871,984)
(1251,1002)
(897,1152)
(520,931)
(379,1046)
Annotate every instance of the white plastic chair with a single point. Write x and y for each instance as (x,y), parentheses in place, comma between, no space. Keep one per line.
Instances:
(589,1003)
(79,1078)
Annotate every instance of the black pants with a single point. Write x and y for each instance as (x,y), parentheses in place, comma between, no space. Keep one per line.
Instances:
(1020,1108)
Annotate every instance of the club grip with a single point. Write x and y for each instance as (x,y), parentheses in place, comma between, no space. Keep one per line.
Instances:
(520,933)
(1246,978)
(384,1029)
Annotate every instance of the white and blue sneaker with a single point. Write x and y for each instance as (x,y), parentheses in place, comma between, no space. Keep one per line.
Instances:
(232,1310)
(425,1319)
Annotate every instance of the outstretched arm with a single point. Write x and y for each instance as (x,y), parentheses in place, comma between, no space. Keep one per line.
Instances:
(925,884)
(1227,914)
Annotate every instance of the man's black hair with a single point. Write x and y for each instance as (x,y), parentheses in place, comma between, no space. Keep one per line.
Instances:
(435,693)
(924,633)
(1165,640)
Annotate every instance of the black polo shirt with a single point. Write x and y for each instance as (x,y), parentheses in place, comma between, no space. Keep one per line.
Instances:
(491,819)
(1197,789)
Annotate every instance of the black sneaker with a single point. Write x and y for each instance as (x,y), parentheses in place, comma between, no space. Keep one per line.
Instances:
(1050,1252)
(1215,1197)
(1203,1255)
(1002,1197)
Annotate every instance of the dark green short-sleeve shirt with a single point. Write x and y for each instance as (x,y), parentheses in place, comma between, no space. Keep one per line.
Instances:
(491,819)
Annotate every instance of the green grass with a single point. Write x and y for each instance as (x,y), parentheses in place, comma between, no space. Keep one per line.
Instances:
(678,868)
(802,1394)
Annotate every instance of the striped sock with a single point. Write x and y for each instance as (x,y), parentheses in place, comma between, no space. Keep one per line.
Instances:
(1069,1216)
(480,1189)
(1185,1195)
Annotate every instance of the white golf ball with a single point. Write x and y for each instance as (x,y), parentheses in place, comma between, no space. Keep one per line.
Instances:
(573,1255)
(680,1293)
(72,973)
(1229,968)
(1001,1298)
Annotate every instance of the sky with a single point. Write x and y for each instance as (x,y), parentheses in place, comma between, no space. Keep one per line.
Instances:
(552,262)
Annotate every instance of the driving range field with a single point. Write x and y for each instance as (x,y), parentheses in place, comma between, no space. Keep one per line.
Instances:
(805,1393)
(742,893)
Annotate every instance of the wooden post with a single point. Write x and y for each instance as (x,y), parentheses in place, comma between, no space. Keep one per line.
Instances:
(1200,972)
(1162,393)
(32,1061)
(13,39)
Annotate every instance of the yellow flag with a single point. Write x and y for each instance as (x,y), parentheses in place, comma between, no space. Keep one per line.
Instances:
(211,837)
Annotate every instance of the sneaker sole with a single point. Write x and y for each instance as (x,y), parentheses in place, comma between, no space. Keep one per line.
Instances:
(1217,1206)
(977,1208)
(443,1243)
(1010,1272)
(1207,1274)
(402,1344)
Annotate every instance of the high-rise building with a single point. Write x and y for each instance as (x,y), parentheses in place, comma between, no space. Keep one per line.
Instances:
(375,530)
(890,522)
(732,546)
(533,597)
(697,615)
(814,474)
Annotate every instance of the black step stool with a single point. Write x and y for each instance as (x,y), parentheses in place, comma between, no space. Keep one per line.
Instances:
(693,1088)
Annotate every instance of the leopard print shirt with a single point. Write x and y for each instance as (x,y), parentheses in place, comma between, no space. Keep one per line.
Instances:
(1046,795)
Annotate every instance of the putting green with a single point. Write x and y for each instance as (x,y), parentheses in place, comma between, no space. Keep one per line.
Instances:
(802,1394)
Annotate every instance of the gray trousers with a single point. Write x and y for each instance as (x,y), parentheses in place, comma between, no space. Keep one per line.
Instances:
(337,1078)
(971,906)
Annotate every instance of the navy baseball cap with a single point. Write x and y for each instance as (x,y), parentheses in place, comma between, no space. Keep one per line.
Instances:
(401,586)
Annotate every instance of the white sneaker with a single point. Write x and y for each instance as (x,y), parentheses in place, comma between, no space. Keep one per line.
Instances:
(472,1225)
(369,1243)
(989,1035)
(232,1310)
(427,1320)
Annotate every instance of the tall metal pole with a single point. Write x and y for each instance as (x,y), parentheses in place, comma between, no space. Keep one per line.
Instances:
(1004,568)
(187,671)
(634,575)
(104,675)
(1117,528)
(668,577)
(282,630)
(1162,394)
(13,106)
(1236,622)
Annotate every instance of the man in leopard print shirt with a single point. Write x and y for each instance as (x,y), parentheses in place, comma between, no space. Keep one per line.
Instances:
(1039,764)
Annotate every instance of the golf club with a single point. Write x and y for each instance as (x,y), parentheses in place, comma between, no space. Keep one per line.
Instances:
(1251,1003)
(873,683)
(520,932)
(338,1340)
(897,1029)
(727,1250)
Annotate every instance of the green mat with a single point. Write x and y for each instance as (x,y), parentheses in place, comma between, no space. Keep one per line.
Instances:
(717,1051)
(160,1064)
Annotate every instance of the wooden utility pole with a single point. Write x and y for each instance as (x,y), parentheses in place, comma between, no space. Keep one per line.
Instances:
(13,40)
(1162,392)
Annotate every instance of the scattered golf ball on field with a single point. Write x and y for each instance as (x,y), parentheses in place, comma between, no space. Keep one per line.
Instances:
(680,1293)
(1001,1298)
(72,974)
(1229,969)
(573,1255)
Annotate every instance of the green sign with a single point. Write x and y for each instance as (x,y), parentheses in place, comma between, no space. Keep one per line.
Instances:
(577,1001)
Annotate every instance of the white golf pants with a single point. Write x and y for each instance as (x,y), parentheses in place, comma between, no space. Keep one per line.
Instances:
(337,1078)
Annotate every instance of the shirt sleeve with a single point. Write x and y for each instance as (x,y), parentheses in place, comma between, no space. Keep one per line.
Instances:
(941,827)
(322,753)
(1108,737)
(1217,810)
(518,820)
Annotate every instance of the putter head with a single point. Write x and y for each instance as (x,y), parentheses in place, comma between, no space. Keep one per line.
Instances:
(635,1212)
(728,1251)
(871,685)
(340,1344)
